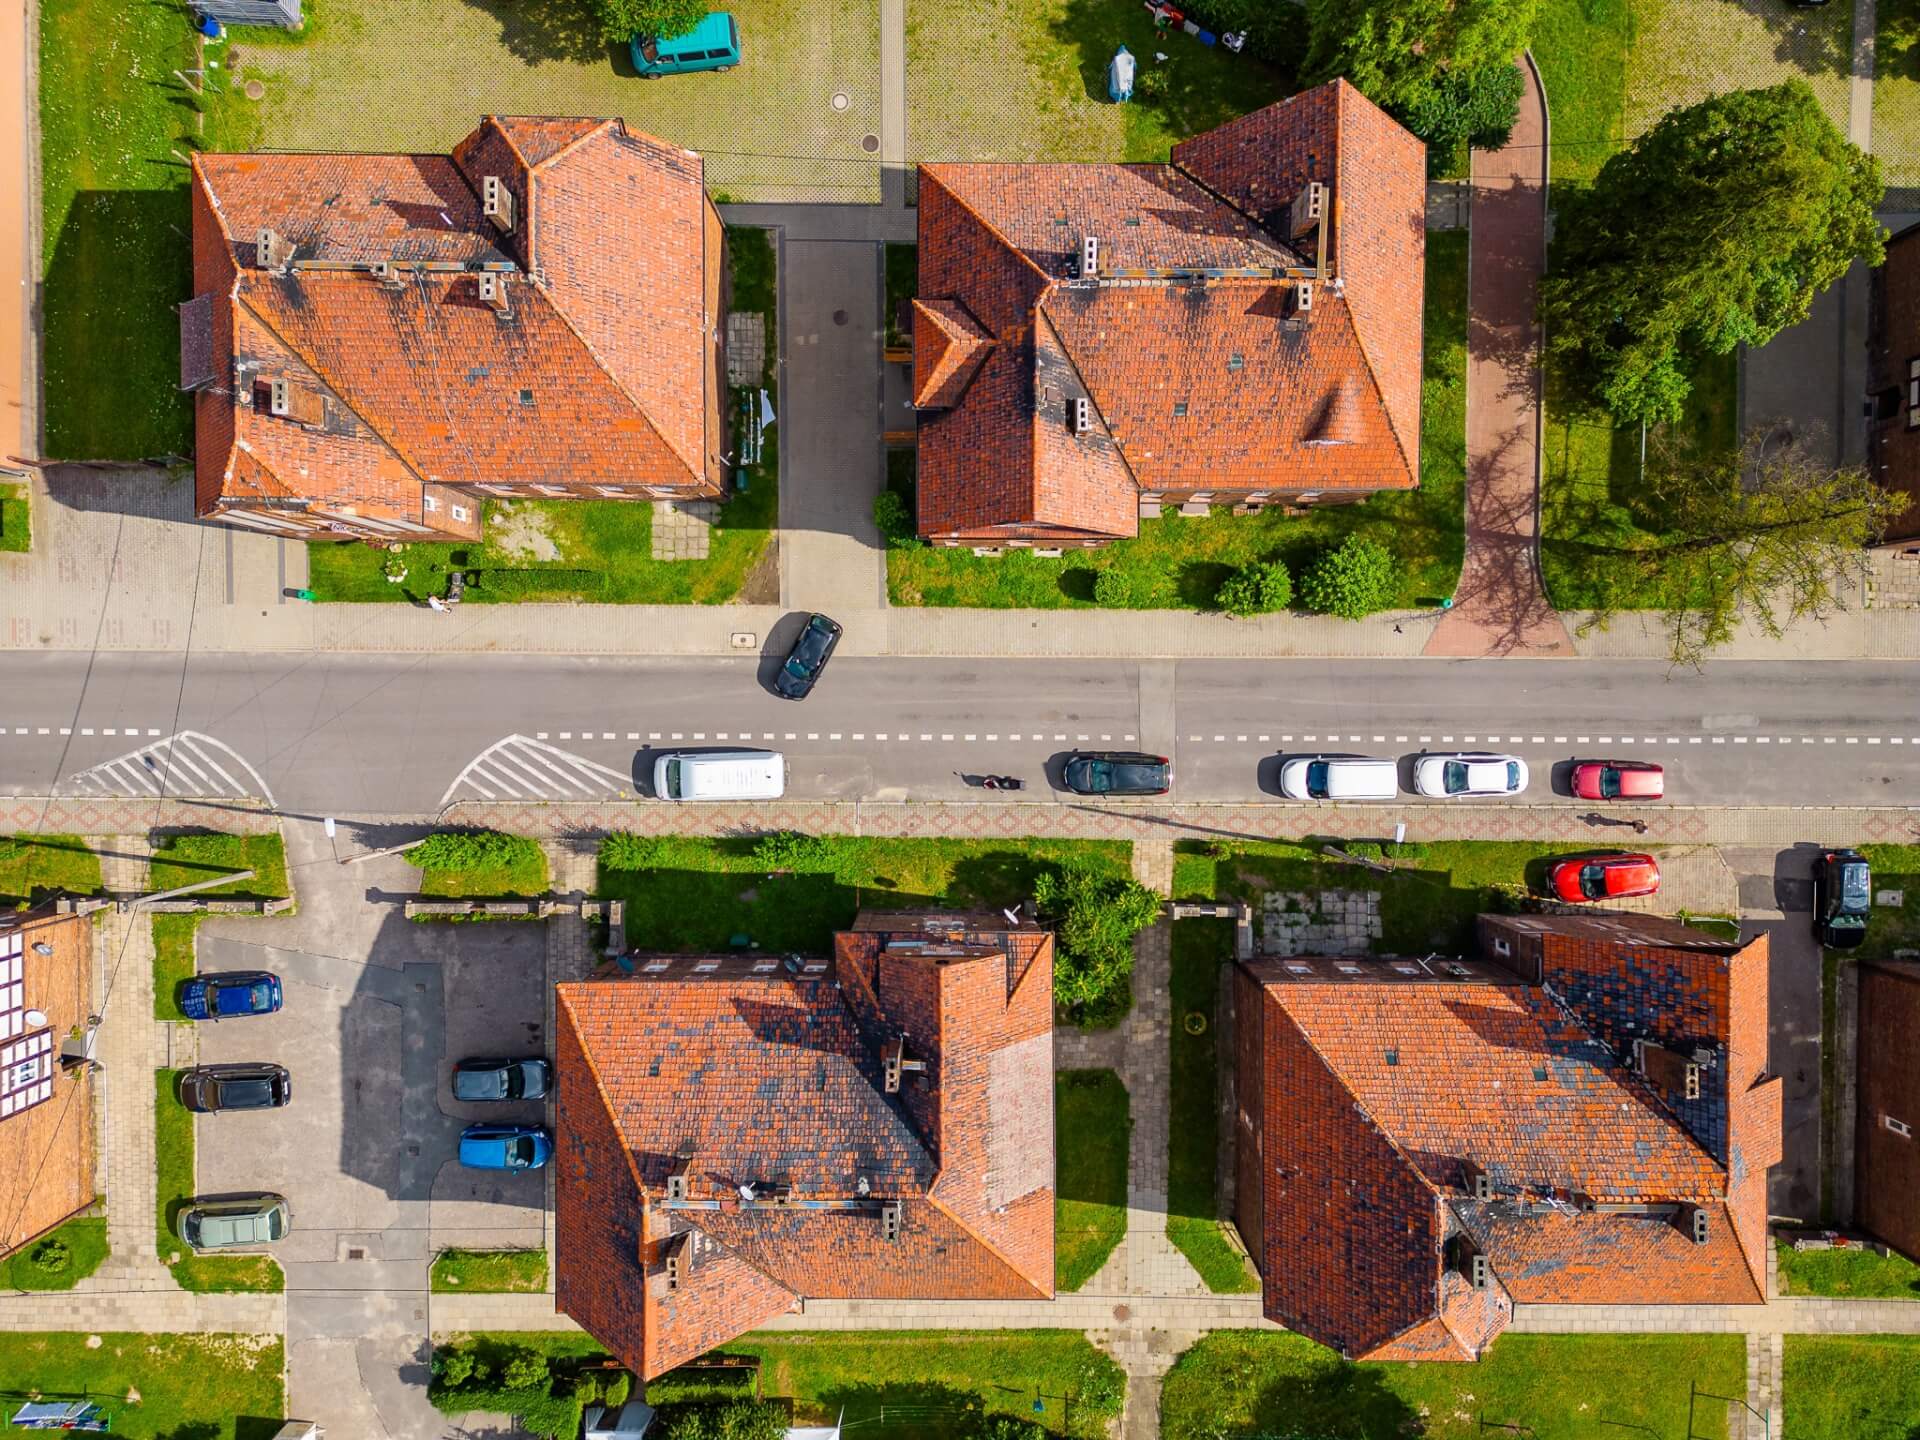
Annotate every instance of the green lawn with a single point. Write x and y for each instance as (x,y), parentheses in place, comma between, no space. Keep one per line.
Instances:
(188,859)
(1202,951)
(934,1384)
(190,1387)
(1428,903)
(1857,1274)
(697,894)
(174,1179)
(599,551)
(1540,1387)
(16,518)
(502,865)
(173,949)
(1851,1387)
(1895,867)
(33,867)
(490,1272)
(117,255)
(1593,505)
(1178,561)
(59,1260)
(1091,1126)
(1581,47)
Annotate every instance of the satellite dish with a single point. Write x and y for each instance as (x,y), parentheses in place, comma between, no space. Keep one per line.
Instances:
(35,1019)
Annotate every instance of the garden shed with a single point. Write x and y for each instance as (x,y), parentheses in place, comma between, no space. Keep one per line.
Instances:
(284,13)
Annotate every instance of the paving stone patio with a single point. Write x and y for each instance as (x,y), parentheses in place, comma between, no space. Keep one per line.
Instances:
(683,529)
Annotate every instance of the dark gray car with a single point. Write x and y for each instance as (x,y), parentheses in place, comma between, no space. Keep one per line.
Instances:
(1117,772)
(483,1080)
(209,1089)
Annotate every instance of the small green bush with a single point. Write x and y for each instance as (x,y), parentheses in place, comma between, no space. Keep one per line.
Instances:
(615,1389)
(474,850)
(790,850)
(1475,107)
(1255,589)
(1095,918)
(894,519)
(623,850)
(1353,581)
(52,1256)
(734,1420)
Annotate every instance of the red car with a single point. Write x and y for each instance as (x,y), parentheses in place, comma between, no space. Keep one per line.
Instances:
(1618,780)
(1603,877)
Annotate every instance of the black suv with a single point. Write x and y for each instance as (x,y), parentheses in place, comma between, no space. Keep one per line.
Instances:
(807,659)
(1842,895)
(209,1089)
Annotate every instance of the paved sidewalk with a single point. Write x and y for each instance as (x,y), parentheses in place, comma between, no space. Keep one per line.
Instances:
(1501,605)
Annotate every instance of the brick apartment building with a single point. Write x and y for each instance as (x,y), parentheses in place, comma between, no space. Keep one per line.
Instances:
(378,343)
(1886,1156)
(737,1133)
(46,1109)
(1242,327)
(1893,380)
(1581,1115)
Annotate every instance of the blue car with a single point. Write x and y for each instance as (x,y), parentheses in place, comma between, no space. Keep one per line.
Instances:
(235,992)
(505,1147)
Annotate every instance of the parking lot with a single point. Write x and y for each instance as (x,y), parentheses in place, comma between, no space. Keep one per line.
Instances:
(365,1153)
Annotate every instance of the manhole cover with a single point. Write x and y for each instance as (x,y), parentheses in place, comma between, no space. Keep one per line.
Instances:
(839,317)
(1121,1313)
(870,143)
(255,90)
(840,100)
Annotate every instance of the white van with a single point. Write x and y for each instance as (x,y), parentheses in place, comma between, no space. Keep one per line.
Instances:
(722,775)
(1336,777)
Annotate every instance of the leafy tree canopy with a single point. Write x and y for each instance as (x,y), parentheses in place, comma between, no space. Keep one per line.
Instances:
(621,20)
(1765,533)
(1355,580)
(1397,51)
(1254,589)
(1716,228)
(1095,916)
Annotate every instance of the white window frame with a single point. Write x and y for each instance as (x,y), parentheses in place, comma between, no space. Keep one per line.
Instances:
(429,503)
(461,514)
(1898,1127)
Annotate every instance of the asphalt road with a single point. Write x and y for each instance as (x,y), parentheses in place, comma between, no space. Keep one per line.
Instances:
(402,735)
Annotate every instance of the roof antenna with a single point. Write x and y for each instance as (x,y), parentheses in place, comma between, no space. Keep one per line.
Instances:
(1013,915)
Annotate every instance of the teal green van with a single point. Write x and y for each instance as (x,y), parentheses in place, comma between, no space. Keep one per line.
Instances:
(713,44)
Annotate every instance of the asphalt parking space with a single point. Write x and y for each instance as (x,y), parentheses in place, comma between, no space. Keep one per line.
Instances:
(366,1152)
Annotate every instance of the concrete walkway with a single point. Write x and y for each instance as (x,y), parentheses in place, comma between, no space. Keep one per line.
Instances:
(1501,605)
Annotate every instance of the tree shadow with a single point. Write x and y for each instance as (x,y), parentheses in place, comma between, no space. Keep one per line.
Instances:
(1342,1400)
(1814,42)
(550,30)
(923,1409)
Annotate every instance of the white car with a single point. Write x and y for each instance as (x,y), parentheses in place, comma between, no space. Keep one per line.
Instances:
(1451,777)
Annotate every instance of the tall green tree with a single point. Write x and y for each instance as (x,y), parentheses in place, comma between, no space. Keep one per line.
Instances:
(1763,533)
(621,20)
(1714,229)
(1398,52)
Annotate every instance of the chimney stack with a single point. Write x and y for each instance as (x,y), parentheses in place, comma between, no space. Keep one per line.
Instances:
(271,251)
(496,203)
(493,291)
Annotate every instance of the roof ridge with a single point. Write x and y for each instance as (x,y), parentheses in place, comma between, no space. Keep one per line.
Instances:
(573,144)
(986,1244)
(1373,378)
(298,353)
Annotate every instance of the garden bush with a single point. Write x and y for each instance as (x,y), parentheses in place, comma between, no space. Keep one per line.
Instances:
(542,1392)
(52,1256)
(474,850)
(1095,918)
(790,850)
(623,850)
(734,1420)
(1255,589)
(894,519)
(1353,581)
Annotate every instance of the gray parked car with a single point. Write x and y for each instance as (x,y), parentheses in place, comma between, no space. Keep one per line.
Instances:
(480,1080)
(209,1089)
(235,1221)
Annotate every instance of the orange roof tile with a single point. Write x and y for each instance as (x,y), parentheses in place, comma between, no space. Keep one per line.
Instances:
(948,346)
(1184,337)
(775,1082)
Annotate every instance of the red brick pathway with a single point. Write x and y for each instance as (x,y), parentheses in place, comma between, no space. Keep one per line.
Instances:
(1501,607)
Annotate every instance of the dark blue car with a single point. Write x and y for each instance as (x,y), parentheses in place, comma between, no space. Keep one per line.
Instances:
(505,1147)
(234,992)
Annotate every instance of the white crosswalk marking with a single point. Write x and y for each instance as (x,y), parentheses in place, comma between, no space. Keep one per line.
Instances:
(186,765)
(522,767)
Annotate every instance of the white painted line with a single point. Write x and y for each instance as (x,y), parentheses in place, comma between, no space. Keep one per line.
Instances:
(1468,739)
(1897,740)
(970,737)
(1739,739)
(633,734)
(923,737)
(651,735)
(676,735)
(1015,739)
(1719,739)
(722,735)
(1309,739)
(768,735)
(1693,740)
(1538,739)
(178,758)
(150,731)
(1286,739)
(1875,740)
(1218,738)
(1059,737)
(902,737)
(1827,740)
(1424,739)
(1607,740)
(568,735)
(1081,737)
(992,738)
(42,730)
(1559,739)
(790,736)
(1853,739)
(1130,739)
(699,734)
(86,730)
(945,739)
(813,735)
(1379,739)
(64,730)
(20,730)
(833,736)
(1265,740)
(113,732)
(1444,739)
(859,736)
(1399,739)
(1106,737)
(1763,739)
(606,734)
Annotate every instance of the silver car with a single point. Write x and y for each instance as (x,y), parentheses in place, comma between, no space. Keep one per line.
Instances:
(236,1222)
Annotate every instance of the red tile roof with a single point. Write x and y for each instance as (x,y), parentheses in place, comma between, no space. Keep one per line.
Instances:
(46,1110)
(730,1077)
(948,346)
(608,274)
(1200,373)
(1410,1121)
